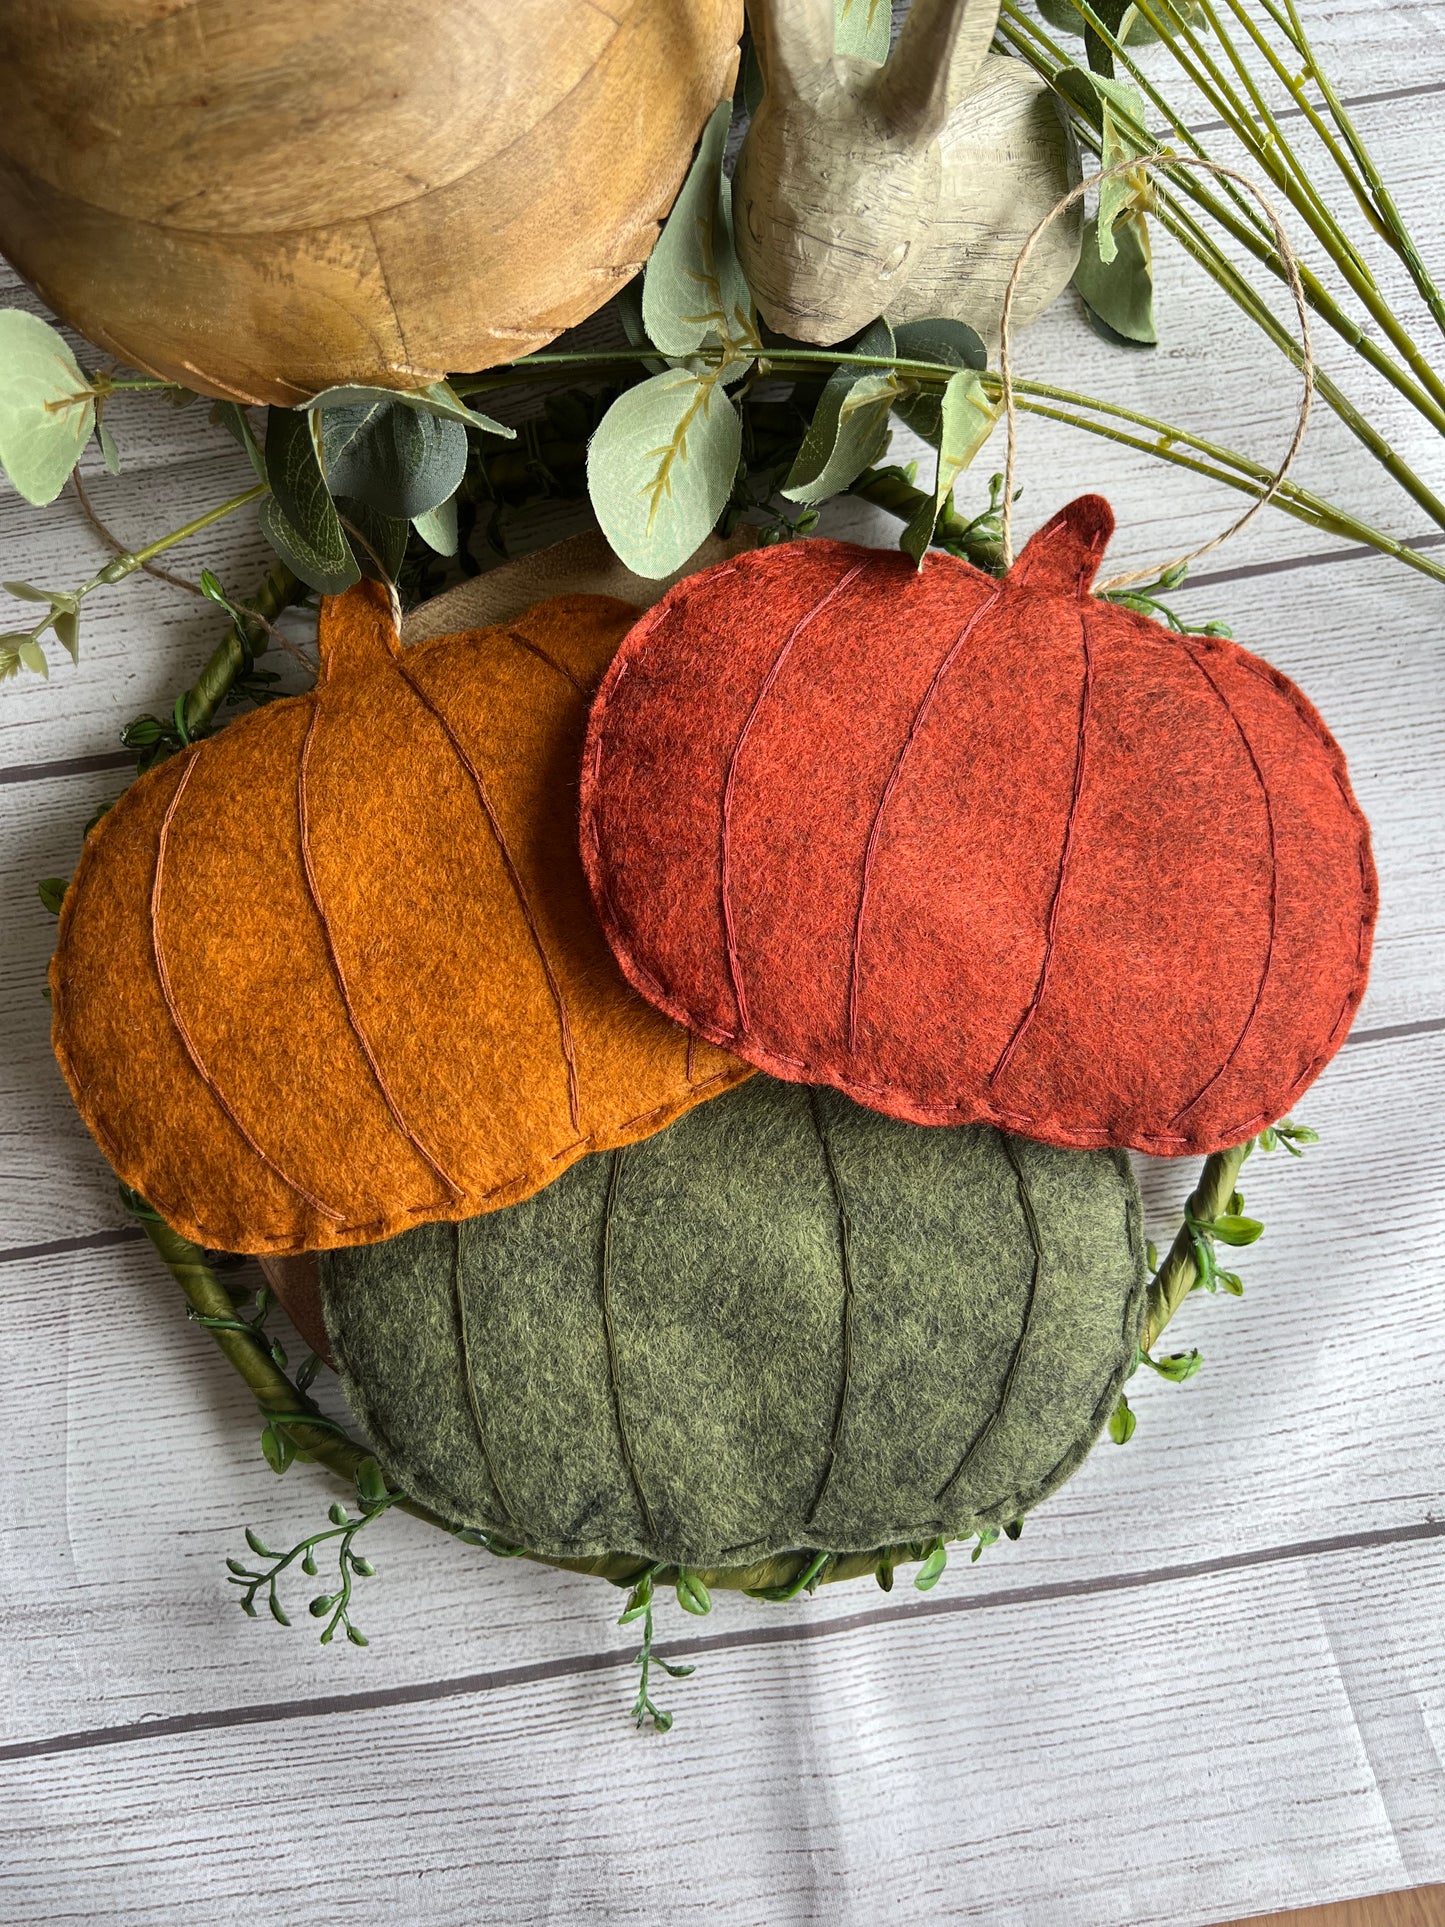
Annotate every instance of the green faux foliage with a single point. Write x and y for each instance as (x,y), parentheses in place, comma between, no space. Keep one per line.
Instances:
(966,420)
(399,461)
(47,406)
(849,430)
(299,517)
(694,292)
(661,468)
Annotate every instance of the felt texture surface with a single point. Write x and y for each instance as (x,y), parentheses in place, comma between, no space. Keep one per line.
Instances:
(975,850)
(335,970)
(786,1321)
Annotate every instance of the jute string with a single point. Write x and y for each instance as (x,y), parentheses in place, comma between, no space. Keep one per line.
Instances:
(1307,356)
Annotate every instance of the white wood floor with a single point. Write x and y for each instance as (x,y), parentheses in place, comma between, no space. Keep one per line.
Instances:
(1209,1680)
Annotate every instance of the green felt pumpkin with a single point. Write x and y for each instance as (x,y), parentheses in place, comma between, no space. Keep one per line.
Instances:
(786,1323)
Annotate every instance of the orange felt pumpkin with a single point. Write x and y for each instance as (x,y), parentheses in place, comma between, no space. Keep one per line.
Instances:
(334,972)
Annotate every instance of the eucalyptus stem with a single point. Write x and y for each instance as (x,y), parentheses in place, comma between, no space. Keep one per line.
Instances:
(124,565)
(1175,1278)
(1247,477)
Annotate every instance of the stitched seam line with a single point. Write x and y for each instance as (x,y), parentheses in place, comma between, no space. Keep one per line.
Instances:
(574,1100)
(352,1017)
(845,1246)
(1258,999)
(604,1293)
(894,776)
(520,641)
(1026,1205)
(179,1024)
(1080,763)
(735,976)
(509,1516)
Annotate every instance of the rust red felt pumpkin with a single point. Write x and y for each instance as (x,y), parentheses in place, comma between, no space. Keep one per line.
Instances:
(979,850)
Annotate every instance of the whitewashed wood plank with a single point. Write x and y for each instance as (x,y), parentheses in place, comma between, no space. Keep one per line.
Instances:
(1206,1748)
(135,1461)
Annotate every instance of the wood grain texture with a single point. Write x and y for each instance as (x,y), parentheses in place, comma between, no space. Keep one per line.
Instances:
(260,203)
(1416,1907)
(1207,1683)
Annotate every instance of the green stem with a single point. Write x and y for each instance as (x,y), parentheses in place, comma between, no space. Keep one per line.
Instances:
(120,566)
(1177,222)
(1250,234)
(1291,499)
(1386,217)
(1305,200)
(1175,1278)
(1301,503)
(234,655)
(275,1395)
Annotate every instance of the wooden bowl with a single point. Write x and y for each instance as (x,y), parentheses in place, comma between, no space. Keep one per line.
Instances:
(260,200)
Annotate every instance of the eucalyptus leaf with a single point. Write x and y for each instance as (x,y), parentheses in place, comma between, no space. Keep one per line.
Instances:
(967,417)
(849,429)
(47,412)
(377,541)
(33,657)
(693,290)
(1127,193)
(661,467)
(438,399)
(862,28)
(66,624)
(329,574)
(438,527)
(1119,294)
(954,344)
(848,433)
(234,419)
(399,461)
(1093,92)
(109,453)
(304,529)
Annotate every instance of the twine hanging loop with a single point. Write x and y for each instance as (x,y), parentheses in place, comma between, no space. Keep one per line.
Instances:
(1290,263)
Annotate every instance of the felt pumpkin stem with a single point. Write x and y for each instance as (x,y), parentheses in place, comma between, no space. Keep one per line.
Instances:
(1176,1277)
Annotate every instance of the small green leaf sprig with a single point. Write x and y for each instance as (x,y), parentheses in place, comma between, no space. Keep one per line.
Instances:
(1193,1261)
(694,1597)
(373,1498)
(1145,602)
